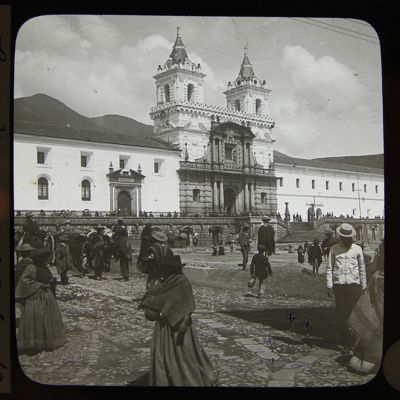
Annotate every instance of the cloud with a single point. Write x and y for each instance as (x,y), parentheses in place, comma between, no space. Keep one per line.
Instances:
(326,85)
(153,42)
(211,79)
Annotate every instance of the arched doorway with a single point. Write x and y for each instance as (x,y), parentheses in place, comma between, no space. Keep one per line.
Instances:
(230,200)
(319,213)
(124,203)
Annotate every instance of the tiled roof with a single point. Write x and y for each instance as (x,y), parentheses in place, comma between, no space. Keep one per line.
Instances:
(100,136)
(280,158)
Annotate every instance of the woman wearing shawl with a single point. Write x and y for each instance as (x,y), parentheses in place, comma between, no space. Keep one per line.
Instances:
(40,327)
(177,358)
(366,321)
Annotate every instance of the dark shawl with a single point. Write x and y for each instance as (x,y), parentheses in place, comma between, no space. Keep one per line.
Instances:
(173,297)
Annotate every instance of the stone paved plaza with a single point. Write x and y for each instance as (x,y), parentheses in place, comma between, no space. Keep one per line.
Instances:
(252,341)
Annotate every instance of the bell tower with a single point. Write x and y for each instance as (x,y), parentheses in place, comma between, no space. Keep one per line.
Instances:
(179,78)
(248,93)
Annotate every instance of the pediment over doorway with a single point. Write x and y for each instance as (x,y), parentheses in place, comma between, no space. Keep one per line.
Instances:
(231,130)
(125,175)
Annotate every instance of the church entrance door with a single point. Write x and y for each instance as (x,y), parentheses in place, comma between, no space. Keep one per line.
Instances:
(124,203)
(230,200)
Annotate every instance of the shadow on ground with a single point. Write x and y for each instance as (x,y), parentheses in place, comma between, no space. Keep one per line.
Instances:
(317,325)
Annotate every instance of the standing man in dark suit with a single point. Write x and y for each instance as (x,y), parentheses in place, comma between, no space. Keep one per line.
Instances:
(122,246)
(266,236)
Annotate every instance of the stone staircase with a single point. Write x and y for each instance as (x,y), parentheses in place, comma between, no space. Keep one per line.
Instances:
(299,233)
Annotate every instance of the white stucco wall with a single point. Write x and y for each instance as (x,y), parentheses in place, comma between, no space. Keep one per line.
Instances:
(333,200)
(160,192)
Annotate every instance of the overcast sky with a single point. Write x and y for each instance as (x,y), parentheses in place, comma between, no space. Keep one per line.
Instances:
(325,74)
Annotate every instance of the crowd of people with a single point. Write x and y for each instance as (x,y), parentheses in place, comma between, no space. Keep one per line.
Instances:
(177,357)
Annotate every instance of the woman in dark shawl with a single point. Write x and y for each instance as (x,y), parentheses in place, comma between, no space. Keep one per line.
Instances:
(40,327)
(177,358)
(145,240)
(366,322)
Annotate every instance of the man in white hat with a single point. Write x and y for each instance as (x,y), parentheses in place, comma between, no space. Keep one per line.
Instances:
(346,278)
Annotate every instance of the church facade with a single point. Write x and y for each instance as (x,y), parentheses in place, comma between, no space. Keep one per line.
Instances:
(227,151)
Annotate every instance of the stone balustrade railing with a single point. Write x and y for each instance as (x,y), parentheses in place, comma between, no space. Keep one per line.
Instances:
(212,108)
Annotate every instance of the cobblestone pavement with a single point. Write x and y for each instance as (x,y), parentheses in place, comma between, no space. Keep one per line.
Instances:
(253,342)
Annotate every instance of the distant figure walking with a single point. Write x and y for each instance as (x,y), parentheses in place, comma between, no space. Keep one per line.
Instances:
(300,254)
(266,236)
(260,268)
(244,242)
(315,256)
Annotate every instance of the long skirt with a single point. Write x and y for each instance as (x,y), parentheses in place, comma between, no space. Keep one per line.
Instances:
(183,364)
(41,326)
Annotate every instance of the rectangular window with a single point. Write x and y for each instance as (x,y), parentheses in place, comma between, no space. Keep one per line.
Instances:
(86,159)
(327,185)
(313,184)
(365,188)
(158,166)
(40,157)
(376,188)
(280,182)
(353,187)
(340,186)
(297,182)
(196,195)
(124,162)
(263,198)
(43,155)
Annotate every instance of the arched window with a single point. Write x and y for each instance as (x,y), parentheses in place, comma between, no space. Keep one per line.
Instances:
(166,93)
(43,189)
(190,93)
(85,186)
(237,105)
(258,106)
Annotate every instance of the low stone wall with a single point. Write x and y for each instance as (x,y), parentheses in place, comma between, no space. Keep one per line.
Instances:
(231,225)
(367,229)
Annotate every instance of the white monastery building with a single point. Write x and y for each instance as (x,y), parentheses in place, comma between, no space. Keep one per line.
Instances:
(200,159)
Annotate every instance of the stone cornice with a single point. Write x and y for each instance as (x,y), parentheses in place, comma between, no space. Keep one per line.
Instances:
(228,114)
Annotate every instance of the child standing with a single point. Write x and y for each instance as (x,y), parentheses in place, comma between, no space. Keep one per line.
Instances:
(260,268)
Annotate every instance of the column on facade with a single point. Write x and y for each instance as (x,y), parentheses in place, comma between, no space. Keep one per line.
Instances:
(245,197)
(251,158)
(221,195)
(252,199)
(216,147)
(220,143)
(245,160)
(249,153)
(139,199)
(213,150)
(111,198)
(215,195)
